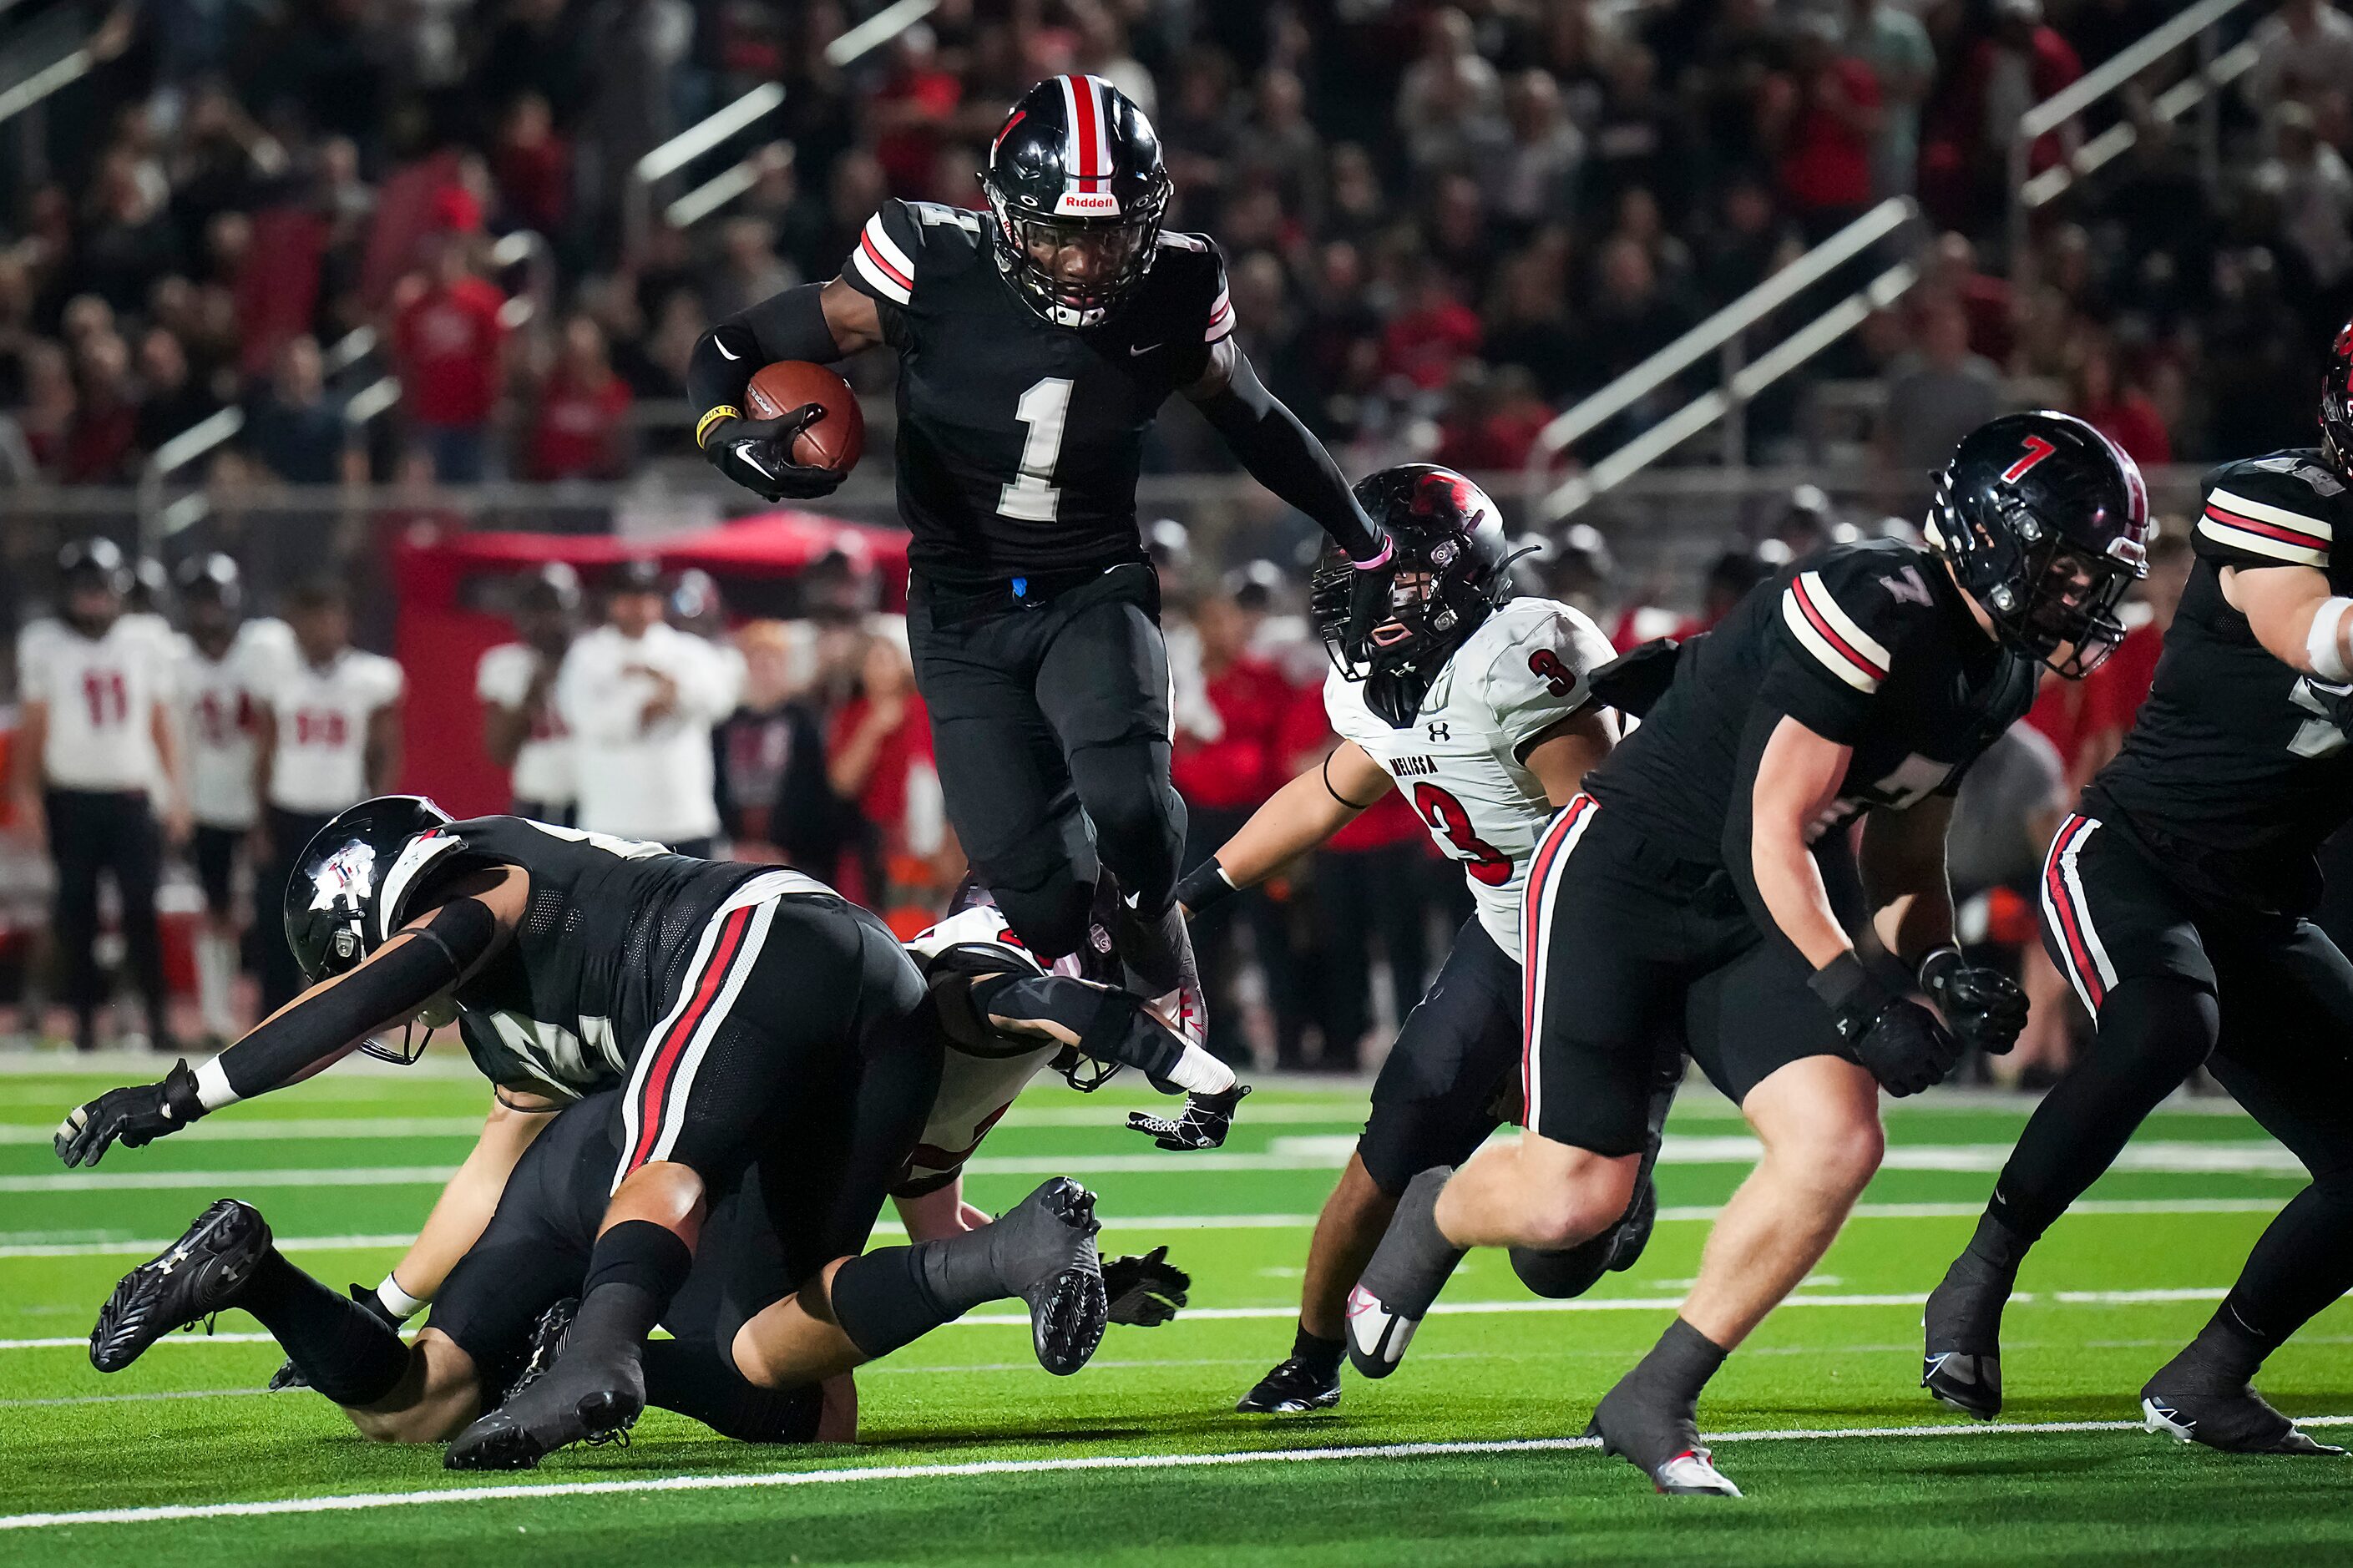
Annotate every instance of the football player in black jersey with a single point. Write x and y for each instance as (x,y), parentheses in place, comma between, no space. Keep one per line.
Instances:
(1705,889)
(1037,342)
(731,1003)
(2175,900)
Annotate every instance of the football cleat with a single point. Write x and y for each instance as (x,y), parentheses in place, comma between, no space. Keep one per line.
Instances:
(1402,1280)
(1291,1388)
(1664,1444)
(1044,1249)
(589,1395)
(1962,1363)
(547,1340)
(2191,1403)
(202,1273)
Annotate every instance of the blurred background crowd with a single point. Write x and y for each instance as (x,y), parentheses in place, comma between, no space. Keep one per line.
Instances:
(304,281)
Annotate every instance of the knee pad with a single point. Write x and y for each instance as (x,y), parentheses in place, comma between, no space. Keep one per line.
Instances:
(1126,790)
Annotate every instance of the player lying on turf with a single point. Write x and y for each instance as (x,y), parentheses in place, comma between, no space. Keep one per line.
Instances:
(571,960)
(1705,888)
(501,1312)
(1478,705)
(2177,899)
(1036,343)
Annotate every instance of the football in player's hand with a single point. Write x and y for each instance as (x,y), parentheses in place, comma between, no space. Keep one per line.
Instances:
(838,437)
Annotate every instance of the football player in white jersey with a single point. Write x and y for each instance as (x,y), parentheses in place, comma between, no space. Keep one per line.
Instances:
(329,737)
(516,682)
(1478,705)
(226,662)
(97,758)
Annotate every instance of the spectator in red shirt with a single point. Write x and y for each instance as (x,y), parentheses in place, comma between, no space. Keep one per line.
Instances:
(913,111)
(1424,342)
(1493,422)
(2118,409)
(1823,120)
(101,442)
(878,758)
(533,166)
(1367,886)
(1223,779)
(582,429)
(449,339)
(2113,692)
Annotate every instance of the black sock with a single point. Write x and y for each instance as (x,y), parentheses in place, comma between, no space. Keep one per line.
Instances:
(895,1295)
(2153,1032)
(1680,1364)
(694,1378)
(1316,1353)
(1997,1245)
(635,1269)
(2299,1264)
(349,1353)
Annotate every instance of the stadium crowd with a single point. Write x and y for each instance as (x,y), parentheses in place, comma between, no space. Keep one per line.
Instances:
(1443,222)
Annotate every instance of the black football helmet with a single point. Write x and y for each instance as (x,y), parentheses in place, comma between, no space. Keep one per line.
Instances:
(343,901)
(2045,522)
(212,578)
(2337,403)
(1450,567)
(94,562)
(1076,165)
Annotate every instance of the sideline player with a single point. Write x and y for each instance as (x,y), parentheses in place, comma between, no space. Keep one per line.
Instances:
(227,659)
(1476,706)
(2176,899)
(97,759)
(1705,887)
(522,730)
(1036,344)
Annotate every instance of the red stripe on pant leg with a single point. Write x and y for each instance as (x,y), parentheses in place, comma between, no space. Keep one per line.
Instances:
(654,1096)
(1532,940)
(2070,918)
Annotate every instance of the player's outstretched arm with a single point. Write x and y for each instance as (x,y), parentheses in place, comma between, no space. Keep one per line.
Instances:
(1282,454)
(466,1204)
(425,961)
(821,322)
(1297,817)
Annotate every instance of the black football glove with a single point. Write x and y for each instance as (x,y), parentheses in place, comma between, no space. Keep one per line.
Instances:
(1145,1291)
(130,1117)
(1983,1007)
(288,1375)
(1206,1120)
(1897,1040)
(758,455)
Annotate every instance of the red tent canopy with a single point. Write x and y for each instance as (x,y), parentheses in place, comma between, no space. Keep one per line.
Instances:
(446,619)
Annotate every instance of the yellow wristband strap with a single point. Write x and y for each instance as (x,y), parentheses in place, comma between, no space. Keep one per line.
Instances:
(703,425)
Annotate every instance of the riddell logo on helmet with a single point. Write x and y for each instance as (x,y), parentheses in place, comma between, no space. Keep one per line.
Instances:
(1088,203)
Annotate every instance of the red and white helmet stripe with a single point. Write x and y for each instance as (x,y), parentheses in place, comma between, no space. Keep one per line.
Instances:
(1087,153)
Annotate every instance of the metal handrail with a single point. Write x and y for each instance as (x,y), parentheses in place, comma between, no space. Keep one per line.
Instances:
(2121,138)
(1719,330)
(52,78)
(723,187)
(2093,85)
(1740,389)
(877,30)
(710,132)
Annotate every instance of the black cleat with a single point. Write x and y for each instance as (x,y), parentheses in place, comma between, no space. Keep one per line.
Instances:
(587,1395)
(198,1274)
(2191,1402)
(547,1340)
(1662,1443)
(1291,1388)
(1962,1363)
(1044,1249)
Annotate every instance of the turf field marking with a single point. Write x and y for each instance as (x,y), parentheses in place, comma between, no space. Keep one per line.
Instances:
(1443,1308)
(83,1243)
(365,1501)
(131,1398)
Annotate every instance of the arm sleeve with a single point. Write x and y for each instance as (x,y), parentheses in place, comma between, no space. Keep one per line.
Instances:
(2274,514)
(1284,456)
(1837,633)
(786,325)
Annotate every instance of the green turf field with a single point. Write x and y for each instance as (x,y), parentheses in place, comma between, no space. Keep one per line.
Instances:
(973,1454)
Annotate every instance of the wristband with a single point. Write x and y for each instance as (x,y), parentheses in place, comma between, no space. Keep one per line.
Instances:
(1937,960)
(212,1086)
(724,411)
(1847,989)
(1381,558)
(2321,650)
(1204,885)
(397,1301)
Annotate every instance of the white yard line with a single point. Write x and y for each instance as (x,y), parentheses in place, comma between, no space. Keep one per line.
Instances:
(1443,1308)
(367,1501)
(1675,1214)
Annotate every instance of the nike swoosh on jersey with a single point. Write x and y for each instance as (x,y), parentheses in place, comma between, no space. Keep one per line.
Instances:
(1133,351)
(722,349)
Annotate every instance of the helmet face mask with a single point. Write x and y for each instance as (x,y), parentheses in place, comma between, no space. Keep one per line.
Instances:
(1077,190)
(1448,570)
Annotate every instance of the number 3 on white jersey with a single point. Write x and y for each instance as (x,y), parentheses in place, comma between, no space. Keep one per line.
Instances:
(1045,408)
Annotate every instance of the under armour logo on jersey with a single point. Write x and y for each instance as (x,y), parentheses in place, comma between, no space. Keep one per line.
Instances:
(1438,732)
(1907,588)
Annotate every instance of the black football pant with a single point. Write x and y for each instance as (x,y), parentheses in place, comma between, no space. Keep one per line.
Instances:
(1050,729)
(290,833)
(2267,1003)
(93,832)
